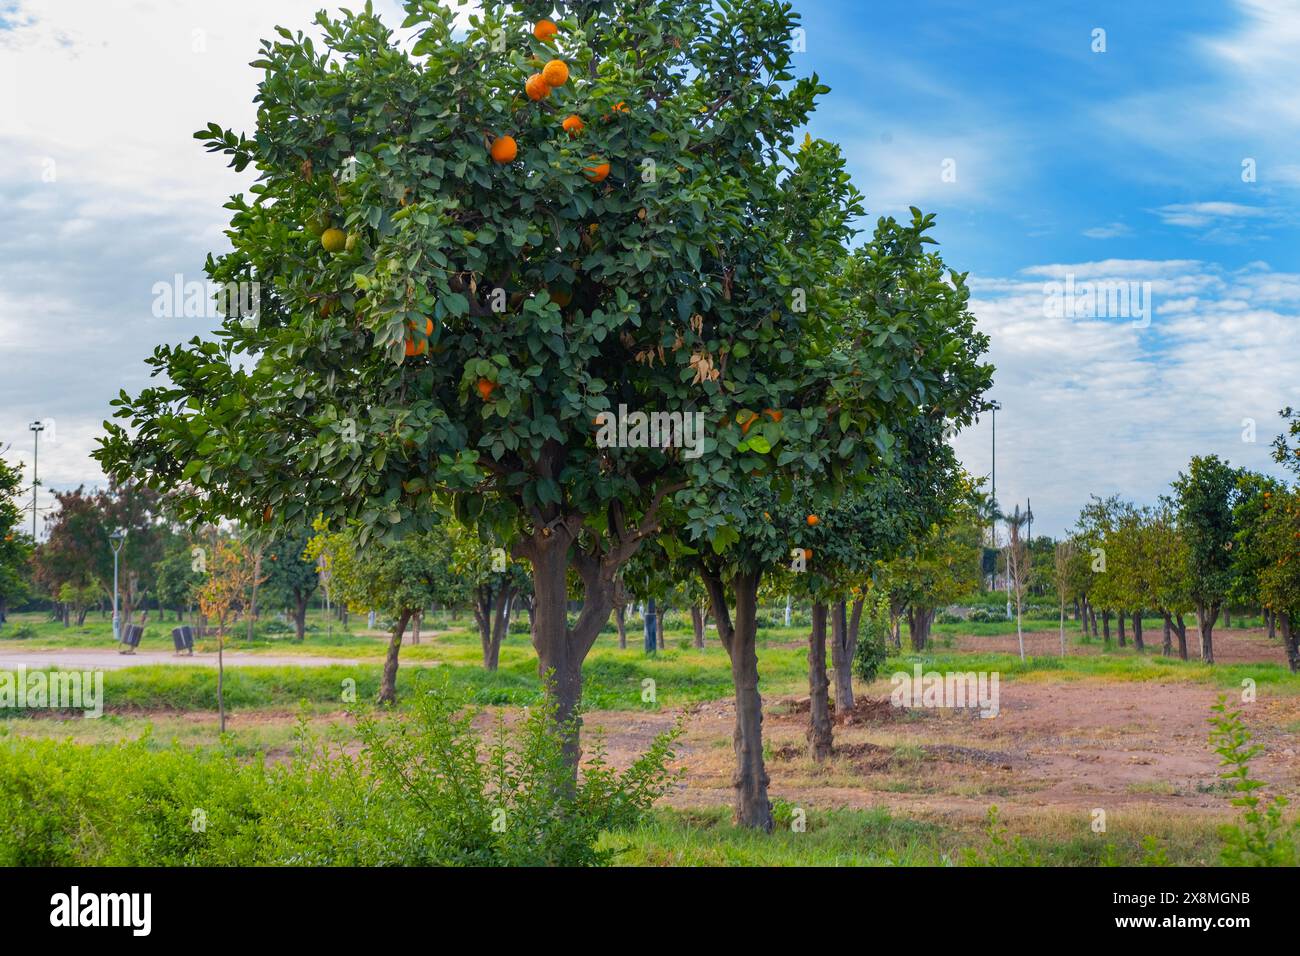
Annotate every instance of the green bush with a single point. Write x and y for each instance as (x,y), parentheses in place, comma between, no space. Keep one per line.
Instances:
(1264,837)
(423,791)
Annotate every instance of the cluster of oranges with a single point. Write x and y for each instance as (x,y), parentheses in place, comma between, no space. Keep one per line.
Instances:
(554,74)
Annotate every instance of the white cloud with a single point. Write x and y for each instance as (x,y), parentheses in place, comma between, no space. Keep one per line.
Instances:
(1112,230)
(1199,214)
(1104,406)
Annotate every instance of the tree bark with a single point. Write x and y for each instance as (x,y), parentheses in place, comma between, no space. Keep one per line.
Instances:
(1227,616)
(1205,618)
(496,629)
(1138,639)
(1180,628)
(844,645)
(1105,627)
(1123,616)
(620,621)
(1167,649)
(752,808)
(388,684)
(659,627)
(819,715)
(300,614)
(1271,620)
(918,624)
(697,624)
(1291,637)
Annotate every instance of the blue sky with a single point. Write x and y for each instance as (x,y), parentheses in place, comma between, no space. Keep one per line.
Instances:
(1123,166)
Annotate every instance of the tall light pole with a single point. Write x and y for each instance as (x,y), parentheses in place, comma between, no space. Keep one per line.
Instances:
(36,428)
(118,537)
(993,512)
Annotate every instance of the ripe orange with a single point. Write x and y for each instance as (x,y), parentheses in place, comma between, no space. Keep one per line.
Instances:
(597,171)
(744,429)
(504,149)
(812,520)
(537,88)
(334,240)
(544,30)
(561,297)
(774,414)
(485,388)
(267,513)
(573,125)
(418,348)
(555,73)
(807,554)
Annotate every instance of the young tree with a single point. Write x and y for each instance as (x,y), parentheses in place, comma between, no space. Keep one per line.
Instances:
(940,567)
(491,579)
(1018,568)
(399,579)
(1279,575)
(15,547)
(222,596)
(1206,494)
(291,577)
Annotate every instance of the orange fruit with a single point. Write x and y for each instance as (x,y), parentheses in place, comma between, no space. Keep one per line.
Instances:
(573,125)
(544,30)
(504,149)
(267,513)
(556,73)
(485,388)
(773,414)
(561,297)
(597,171)
(418,348)
(807,554)
(744,429)
(334,240)
(812,520)
(537,88)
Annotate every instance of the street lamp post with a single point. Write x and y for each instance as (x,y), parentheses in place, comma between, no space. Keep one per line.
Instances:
(36,428)
(118,538)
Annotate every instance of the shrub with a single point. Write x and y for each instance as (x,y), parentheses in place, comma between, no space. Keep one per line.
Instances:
(423,791)
(1264,838)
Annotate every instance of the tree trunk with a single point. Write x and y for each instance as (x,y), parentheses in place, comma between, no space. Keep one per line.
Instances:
(659,627)
(697,624)
(1291,637)
(1180,628)
(1062,628)
(1138,641)
(1205,618)
(1123,616)
(1227,617)
(301,599)
(620,621)
(388,685)
(819,715)
(1271,620)
(497,630)
(844,646)
(1105,627)
(1167,649)
(752,808)
(1076,609)
(1092,614)
(918,624)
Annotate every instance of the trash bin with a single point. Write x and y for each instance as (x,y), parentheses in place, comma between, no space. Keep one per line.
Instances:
(132,636)
(183,638)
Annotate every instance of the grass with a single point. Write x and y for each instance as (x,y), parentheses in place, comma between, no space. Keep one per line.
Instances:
(877,838)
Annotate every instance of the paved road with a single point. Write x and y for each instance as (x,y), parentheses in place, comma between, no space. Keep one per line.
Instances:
(91,658)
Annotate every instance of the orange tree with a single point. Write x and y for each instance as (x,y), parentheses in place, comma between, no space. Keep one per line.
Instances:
(895,364)
(444,311)
(841,550)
